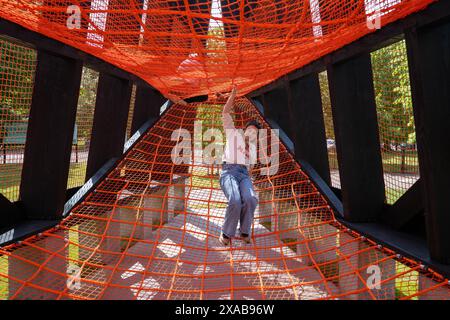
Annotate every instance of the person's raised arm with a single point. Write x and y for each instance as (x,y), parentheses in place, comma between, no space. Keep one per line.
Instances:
(226,116)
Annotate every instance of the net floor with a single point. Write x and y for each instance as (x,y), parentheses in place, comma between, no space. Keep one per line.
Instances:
(150,230)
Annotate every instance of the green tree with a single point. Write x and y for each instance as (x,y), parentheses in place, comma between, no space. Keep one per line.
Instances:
(393,94)
(17,66)
(326,105)
(86,103)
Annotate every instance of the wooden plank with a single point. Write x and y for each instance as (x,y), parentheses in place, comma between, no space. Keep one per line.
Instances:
(147,105)
(408,206)
(49,136)
(276,107)
(10,212)
(387,35)
(357,140)
(429,65)
(309,131)
(110,121)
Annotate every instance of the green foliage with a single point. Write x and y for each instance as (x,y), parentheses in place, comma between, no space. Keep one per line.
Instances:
(216,44)
(86,103)
(393,94)
(17,65)
(326,105)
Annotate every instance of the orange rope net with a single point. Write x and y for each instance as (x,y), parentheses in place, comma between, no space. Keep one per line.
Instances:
(150,230)
(187,48)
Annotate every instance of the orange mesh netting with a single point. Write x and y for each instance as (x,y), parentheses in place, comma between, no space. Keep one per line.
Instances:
(248,42)
(17,66)
(395,120)
(150,230)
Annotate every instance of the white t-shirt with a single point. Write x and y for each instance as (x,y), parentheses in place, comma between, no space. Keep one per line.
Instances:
(235,144)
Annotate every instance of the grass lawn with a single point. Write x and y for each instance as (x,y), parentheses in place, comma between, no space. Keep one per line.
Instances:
(205,182)
(407,284)
(10,174)
(391,162)
(392,195)
(77,174)
(10,180)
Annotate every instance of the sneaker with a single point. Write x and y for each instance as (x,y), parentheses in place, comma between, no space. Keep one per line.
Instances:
(246,238)
(223,239)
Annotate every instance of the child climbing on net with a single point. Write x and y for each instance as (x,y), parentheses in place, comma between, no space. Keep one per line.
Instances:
(235,180)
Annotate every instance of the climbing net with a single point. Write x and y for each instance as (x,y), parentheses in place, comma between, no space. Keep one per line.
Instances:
(150,230)
(193,47)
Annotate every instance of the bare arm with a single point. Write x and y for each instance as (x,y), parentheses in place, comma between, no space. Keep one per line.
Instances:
(226,116)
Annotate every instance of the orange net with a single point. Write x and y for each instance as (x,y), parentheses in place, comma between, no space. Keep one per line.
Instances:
(395,120)
(17,66)
(83,128)
(192,47)
(150,230)
(329,130)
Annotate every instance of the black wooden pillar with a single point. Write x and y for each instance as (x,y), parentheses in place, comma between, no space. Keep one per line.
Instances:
(276,107)
(429,65)
(49,136)
(357,139)
(309,132)
(113,98)
(147,105)
(110,121)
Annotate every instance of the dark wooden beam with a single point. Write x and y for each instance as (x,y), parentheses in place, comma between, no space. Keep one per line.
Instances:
(110,121)
(309,131)
(16,33)
(258,102)
(147,105)
(10,212)
(357,140)
(113,98)
(385,36)
(408,206)
(429,65)
(276,107)
(49,136)
(324,187)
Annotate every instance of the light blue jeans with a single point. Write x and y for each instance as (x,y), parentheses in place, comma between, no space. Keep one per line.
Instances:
(237,186)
